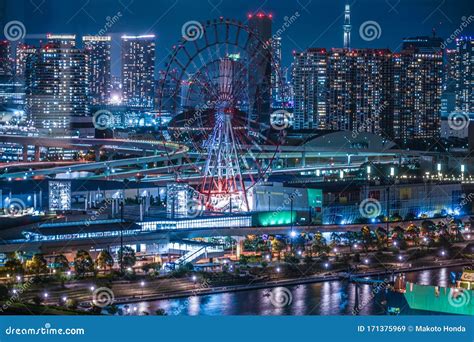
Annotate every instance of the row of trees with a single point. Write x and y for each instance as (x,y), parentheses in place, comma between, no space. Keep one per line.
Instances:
(83,262)
(427,233)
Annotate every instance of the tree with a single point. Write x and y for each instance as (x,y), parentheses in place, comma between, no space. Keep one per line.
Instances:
(127,255)
(319,245)
(351,238)
(160,312)
(3,292)
(61,263)
(278,246)
(14,266)
(382,236)
(83,262)
(367,237)
(335,239)
(37,264)
(104,260)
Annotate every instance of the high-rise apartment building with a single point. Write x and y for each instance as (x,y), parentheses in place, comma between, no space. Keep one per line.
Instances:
(97,54)
(310,89)
(56,84)
(6,65)
(418,83)
(260,69)
(138,71)
(464,74)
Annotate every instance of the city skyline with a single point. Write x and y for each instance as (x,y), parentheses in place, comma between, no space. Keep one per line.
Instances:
(305,32)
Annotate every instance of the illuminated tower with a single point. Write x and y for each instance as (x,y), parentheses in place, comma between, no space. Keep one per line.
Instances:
(138,70)
(347,27)
(97,54)
(261,67)
(56,84)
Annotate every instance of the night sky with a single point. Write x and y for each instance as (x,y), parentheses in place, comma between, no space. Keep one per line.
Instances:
(319,24)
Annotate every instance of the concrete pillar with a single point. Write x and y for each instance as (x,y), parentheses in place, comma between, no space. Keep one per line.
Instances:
(37,154)
(240,245)
(303,159)
(25,153)
(97,153)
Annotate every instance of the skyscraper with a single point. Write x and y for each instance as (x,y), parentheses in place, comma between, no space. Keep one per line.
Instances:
(276,73)
(464,74)
(56,84)
(310,89)
(97,54)
(347,26)
(260,69)
(418,80)
(23,52)
(6,65)
(138,70)
(359,88)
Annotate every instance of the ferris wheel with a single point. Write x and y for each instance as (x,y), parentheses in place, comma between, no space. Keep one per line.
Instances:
(216,85)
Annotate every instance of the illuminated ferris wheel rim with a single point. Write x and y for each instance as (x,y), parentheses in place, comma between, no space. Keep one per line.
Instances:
(223,130)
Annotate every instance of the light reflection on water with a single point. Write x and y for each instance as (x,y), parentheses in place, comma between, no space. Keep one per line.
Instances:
(328,298)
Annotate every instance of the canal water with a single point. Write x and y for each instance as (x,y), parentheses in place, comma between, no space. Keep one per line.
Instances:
(326,298)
